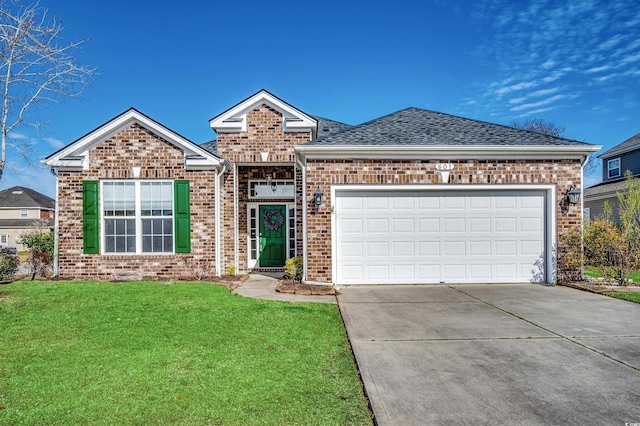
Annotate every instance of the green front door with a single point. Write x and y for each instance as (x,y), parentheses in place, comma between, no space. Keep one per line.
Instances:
(273,235)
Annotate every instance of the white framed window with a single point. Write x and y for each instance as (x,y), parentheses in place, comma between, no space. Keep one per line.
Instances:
(137,217)
(4,240)
(24,213)
(280,189)
(613,168)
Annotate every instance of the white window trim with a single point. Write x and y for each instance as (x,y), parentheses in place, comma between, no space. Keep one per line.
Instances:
(4,237)
(253,263)
(609,175)
(289,182)
(24,213)
(137,217)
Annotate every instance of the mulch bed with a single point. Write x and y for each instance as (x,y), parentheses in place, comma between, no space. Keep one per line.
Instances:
(230,281)
(600,288)
(295,287)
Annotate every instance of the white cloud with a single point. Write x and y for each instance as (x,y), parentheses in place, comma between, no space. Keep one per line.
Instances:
(517,100)
(548,64)
(17,136)
(597,69)
(539,103)
(632,58)
(545,92)
(55,143)
(515,87)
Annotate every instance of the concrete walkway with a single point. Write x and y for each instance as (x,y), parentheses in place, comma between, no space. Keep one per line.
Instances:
(263,286)
(495,354)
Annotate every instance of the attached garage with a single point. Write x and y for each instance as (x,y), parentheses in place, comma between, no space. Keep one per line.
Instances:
(466,234)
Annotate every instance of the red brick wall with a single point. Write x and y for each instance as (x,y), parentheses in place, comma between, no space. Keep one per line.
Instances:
(326,173)
(264,134)
(113,159)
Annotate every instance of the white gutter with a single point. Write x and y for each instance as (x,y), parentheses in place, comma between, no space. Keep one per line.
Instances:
(444,152)
(235,216)
(303,167)
(218,183)
(56,268)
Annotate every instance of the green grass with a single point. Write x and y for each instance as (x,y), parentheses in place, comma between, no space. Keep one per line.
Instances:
(593,272)
(76,353)
(630,296)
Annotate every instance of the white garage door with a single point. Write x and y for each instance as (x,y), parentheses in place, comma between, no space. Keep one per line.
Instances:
(420,237)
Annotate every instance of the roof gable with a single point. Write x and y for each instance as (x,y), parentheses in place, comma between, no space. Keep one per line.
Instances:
(234,119)
(22,197)
(630,144)
(75,156)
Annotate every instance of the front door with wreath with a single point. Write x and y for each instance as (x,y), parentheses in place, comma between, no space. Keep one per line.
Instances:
(273,235)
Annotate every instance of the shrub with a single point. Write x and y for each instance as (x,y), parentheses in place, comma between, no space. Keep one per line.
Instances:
(295,268)
(8,264)
(40,242)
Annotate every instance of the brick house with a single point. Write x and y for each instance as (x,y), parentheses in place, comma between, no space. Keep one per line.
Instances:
(412,197)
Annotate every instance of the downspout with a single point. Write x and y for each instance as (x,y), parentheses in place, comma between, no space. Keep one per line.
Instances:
(303,167)
(235,216)
(218,184)
(56,228)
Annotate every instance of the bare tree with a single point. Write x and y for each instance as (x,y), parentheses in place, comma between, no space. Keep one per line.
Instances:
(539,125)
(36,66)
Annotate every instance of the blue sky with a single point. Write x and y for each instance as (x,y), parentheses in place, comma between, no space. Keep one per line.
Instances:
(575,63)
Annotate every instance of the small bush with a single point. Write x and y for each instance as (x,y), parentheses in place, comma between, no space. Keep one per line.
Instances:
(8,264)
(231,270)
(40,242)
(295,268)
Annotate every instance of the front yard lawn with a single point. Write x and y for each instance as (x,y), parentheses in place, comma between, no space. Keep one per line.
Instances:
(593,272)
(630,296)
(182,353)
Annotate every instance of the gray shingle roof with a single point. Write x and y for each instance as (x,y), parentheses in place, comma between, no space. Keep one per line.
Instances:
(633,141)
(328,127)
(414,127)
(23,223)
(19,196)
(211,146)
(606,188)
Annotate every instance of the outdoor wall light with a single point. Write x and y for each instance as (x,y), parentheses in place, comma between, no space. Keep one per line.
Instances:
(271,183)
(572,195)
(317,197)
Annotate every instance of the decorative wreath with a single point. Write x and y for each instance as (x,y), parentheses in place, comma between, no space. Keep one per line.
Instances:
(272,219)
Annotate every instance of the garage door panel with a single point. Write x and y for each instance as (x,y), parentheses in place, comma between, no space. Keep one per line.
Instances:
(454,224)
(378,248)
(428,225)
(455,248)
(428,248)
(377,225)
(402,225)
(531,224)
(479,248)
(438,236)
(506,224)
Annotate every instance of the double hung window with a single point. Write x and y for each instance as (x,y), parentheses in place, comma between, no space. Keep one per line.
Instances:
(137,216)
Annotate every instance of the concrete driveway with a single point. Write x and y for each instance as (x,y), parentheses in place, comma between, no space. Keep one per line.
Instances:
(495,354)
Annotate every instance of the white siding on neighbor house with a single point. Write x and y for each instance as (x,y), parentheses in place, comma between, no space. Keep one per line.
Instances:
(416,237)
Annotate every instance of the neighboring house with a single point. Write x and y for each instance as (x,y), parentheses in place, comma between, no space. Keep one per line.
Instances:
(412,197)
(615,163)
(20,207)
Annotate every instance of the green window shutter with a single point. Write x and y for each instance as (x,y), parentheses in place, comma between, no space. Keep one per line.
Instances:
(182,216)
(90,217)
